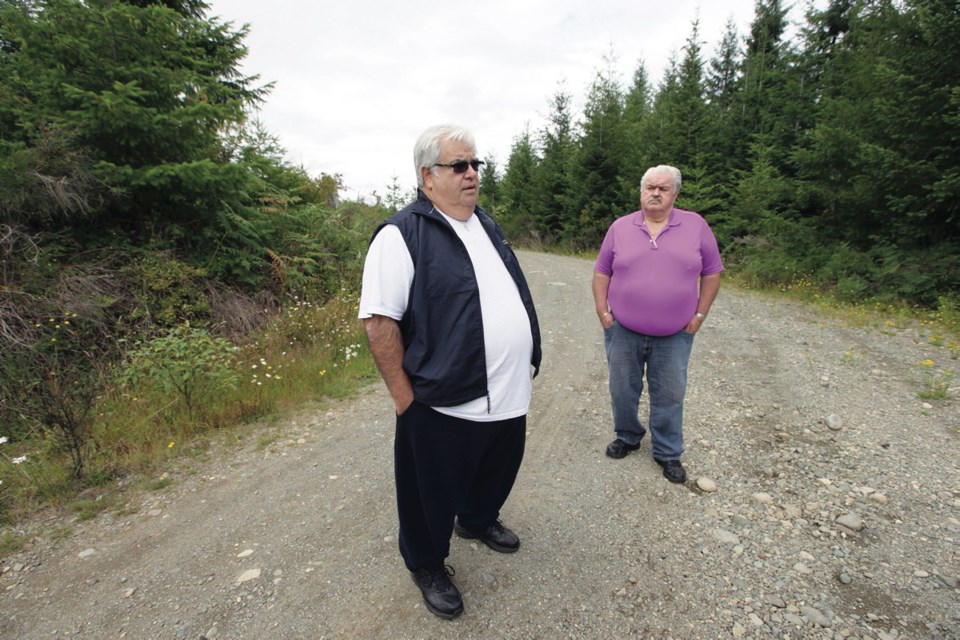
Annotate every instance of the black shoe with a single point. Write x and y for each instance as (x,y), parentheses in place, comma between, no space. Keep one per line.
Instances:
(496,536)
(439,594)
(618,448)
(673,470)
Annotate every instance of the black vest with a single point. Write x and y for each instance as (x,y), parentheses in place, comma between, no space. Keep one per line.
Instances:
(442,327)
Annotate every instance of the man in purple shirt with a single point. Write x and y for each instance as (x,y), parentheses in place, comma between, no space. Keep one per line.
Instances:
(657,273)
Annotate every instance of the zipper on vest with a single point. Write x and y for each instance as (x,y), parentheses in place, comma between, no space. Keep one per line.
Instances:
(488,403)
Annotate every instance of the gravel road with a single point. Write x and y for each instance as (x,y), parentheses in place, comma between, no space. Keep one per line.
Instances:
(823,502)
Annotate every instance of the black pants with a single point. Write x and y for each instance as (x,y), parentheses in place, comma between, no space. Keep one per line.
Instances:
(448,467)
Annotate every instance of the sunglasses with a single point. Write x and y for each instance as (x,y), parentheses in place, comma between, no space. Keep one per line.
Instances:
(460,166)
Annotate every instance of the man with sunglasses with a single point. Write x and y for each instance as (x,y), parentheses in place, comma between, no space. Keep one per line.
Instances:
(454,333)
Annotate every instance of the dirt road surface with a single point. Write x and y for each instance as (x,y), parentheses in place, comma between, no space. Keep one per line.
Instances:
(823,502)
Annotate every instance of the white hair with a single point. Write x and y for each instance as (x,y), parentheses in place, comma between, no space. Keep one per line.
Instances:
(663,168)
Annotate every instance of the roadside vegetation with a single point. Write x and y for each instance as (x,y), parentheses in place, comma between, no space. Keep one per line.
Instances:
(166,274)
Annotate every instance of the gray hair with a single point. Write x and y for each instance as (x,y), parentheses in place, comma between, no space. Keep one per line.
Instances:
(426,152)
(663,168)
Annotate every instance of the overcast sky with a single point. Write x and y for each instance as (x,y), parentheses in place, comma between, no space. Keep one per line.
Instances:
(356,81)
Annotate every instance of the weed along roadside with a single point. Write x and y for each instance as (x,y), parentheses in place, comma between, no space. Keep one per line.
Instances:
(822,502)
(162,407)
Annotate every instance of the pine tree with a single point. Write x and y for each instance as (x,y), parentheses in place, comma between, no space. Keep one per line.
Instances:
(824,157)
(689,116)
(552,207)
(145,93)
(657,134)
(490,185)
(721,87)
(638,147)
(762,77)
(517,194)
(598,196)
(722,79)
(683,125)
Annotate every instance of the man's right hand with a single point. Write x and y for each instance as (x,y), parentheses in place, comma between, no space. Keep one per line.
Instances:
(386,345)
(402,406)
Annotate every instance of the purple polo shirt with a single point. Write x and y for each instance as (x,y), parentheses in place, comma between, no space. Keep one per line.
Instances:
(655,285)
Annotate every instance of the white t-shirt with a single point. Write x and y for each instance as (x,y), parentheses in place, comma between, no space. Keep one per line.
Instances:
(387,276)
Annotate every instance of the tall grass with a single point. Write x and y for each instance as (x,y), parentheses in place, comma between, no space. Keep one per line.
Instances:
(943,323)
(307,353)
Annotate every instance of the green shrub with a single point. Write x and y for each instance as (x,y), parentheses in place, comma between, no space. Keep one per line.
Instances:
(168,291)
(763,264)
(852,288)
(50,386)
(186,362)
(948,307)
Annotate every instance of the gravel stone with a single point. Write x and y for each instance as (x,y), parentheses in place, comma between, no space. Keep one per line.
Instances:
(707,485)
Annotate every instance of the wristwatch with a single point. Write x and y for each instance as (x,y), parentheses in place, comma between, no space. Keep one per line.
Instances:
(702,316)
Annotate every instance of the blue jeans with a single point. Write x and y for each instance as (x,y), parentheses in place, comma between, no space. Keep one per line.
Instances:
(664,359)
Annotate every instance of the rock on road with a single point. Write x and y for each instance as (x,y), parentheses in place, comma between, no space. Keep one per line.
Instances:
(823,502)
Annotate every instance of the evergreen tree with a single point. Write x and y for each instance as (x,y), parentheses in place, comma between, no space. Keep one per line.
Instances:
(721,87)
(762,77)
(144,93)
(824,157)
(552,205)
(688,119)
(758,134)
(902,84)
(837,157)
(657,134)
(517,195)
(684,126)
(396,198)
(722,79)
(124,127)
(919,108)
(637,156)
(490,185)
(598,196)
